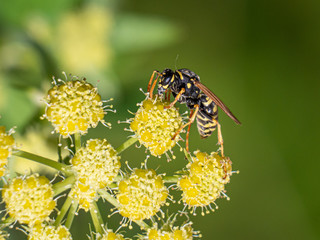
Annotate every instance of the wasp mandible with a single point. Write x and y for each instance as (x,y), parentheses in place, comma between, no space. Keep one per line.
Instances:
(186,88)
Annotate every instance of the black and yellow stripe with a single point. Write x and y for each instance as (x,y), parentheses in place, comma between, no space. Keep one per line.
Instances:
(206,123)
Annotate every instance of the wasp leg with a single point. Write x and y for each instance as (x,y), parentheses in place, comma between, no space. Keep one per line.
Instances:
(150,82)
(176,99)
(220,139)
(168,94)
(191,120)
(188,132)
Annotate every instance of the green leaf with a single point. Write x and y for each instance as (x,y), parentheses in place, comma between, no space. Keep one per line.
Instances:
(136,33)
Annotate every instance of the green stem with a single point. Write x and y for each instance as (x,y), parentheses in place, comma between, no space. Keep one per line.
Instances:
(96,218)
(77,141)
(187,154)
(6,222)
(171,179)
(107,196)
(63,211)
(103,193)
(71,214)
(126,144)
(66,170)
(60,187)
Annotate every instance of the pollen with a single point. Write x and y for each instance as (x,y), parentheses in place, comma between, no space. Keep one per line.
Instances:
(206,179)
(44,232)
(171,233)
(97,164)
(29,200)
(73,107)
(6,147)
(154,125)
(83,194)
(141,195)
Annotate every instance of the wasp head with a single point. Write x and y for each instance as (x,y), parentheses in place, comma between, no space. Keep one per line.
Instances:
(165,80)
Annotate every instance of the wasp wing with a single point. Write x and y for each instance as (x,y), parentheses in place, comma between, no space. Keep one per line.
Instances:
(217,101)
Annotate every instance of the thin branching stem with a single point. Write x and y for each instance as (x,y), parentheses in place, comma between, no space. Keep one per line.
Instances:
(66,170)
(126,144)
(63,211)
(71,213)
(60,187)
(96,217)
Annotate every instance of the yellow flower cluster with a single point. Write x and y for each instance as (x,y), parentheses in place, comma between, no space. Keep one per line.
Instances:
(43,232)
(141,195)
(182,233)
(206,180)
(84,194)
(155,125)
(112,236)
(29,200)
(73,107)
(6,146)
(96,166)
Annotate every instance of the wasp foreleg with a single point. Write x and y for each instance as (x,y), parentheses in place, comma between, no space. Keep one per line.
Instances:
(176,99)
(154,83)
(191,120)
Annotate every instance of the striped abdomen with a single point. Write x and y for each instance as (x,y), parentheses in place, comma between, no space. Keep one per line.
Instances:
(207,116)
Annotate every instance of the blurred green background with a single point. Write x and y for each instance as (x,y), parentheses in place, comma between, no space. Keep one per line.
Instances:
(260,57)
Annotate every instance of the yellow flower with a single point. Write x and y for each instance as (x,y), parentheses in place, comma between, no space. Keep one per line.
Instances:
(206,180)
(6,146)
(29,200)
(97,164)
(44,232)
(83,194)
(155,125)
(141,195)
(171,233)
(73,107)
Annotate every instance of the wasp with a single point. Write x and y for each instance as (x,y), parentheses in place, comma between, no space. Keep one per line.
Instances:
(186,88)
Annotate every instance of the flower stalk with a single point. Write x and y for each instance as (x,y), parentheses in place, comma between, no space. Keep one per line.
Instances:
(65,169)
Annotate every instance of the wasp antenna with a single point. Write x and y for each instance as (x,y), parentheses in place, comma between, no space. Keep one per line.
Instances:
(175,62)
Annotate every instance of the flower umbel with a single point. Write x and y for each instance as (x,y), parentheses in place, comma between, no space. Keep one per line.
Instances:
(6,146)
(141,195)
(175,233)
(73,107)
(155,125)
(29,200)
(206,180)
(97,164)
(44,232)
